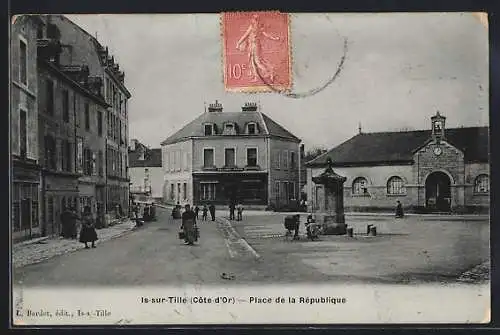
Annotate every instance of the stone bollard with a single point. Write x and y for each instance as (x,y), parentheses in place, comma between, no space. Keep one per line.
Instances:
(373,231)
(350,232)
(368,228)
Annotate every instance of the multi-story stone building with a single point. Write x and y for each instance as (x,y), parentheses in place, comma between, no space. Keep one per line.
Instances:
(83,48)
(232,156)
(70,111)
(426,170)
(25,170)
(145,170)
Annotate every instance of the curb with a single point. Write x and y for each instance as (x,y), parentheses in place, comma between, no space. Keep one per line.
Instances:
(31,241)
(226,223)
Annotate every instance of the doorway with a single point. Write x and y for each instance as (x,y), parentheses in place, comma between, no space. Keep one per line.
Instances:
(438,192)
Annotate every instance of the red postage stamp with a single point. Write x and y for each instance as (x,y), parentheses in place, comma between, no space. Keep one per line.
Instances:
(256,51)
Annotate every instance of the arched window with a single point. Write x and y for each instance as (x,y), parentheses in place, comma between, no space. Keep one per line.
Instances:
(395,185)
(482,184)
(360,186)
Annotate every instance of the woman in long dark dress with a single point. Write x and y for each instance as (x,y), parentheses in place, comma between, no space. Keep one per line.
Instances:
(88,233)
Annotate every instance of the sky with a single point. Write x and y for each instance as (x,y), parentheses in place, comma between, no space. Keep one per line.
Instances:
(400,68)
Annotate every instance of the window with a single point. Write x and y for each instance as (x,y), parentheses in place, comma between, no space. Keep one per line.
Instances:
(50,152)
(285,159)
(229,129)
(65,156)
(184,186)
(277,190)
(285,191)
(87,116)
(208,129)
(50,96)
(207,191)
(395,185)
(278,159)
(23,63)
(482,184)
(93,167)
(172,191)
(39,33)
(251,129)
(99,123)
(23,139)
(229,157)
(77,115)
(292,160)
(291,190)
(251,156)
(65,105)
(208,158)
(101,163)
(109,123)
(79,155)
(178,191)
(359,186)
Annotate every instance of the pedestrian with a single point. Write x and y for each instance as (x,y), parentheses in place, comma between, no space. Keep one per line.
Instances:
(136,214)
(196,211)
(73,217)
(231,210)
(189,225)
(399,210)
(204,211)
(211,208)
(239,209)
(88,233)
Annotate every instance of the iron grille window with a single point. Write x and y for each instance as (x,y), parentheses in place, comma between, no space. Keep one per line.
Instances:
(482,184)
(395,186)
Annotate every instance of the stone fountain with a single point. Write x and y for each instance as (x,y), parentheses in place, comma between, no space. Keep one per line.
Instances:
(330,198)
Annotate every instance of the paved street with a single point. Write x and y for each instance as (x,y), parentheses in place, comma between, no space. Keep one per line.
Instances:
(414,249)
(410,250)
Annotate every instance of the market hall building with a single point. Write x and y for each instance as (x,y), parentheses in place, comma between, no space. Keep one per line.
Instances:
(435,170)
(221,157)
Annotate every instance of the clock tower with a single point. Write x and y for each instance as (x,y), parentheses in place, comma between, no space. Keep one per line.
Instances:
(438,127)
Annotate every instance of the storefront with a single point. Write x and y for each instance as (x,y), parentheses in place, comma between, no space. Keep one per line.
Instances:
(25,204)
(223,188)
(59,192)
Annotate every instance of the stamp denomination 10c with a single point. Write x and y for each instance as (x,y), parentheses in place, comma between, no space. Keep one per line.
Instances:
(256,51)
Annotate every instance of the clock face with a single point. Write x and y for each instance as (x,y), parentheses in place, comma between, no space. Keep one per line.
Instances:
(437,151)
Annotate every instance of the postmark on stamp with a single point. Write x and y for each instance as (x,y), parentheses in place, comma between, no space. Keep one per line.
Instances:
(256,51)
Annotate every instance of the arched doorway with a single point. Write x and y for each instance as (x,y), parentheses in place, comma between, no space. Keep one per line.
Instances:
(438,192)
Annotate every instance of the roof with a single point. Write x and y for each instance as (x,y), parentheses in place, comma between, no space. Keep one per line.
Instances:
(152,158)
(398,147)
(265,125)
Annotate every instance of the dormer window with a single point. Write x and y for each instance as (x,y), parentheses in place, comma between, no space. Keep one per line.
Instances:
(209,129)
(229,129)
(251,129)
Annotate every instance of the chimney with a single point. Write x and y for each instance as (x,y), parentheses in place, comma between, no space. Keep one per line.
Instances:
(249,107)
(302,152)
(215,107)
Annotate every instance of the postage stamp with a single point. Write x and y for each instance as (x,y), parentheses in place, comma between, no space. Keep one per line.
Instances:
(256,51)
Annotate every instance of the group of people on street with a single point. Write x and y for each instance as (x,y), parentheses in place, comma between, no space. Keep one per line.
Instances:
(204,211)
(239,211)
(88,233)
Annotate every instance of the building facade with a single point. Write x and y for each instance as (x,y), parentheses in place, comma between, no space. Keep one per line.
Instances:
(83,48)
(71,133)
(145,170)
(224,157)
(25,169)
(435,170)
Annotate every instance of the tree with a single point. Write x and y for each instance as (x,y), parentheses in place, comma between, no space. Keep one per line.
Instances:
(313,153)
